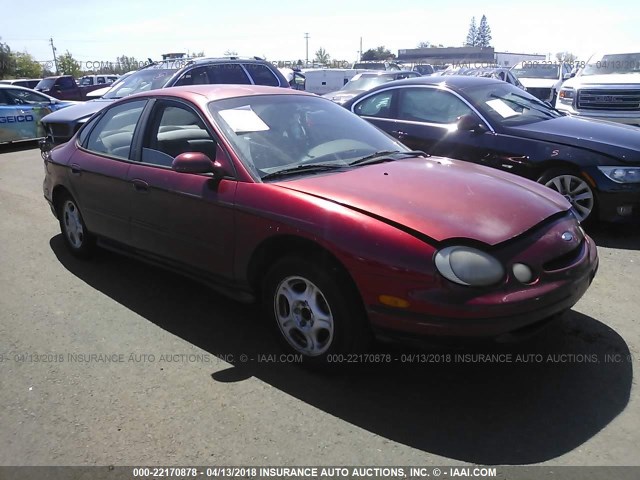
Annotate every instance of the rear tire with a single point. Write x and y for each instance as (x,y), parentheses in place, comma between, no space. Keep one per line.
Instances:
(78,239)
(575,189)
(314,310)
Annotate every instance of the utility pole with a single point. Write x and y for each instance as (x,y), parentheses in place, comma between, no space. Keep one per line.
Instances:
(360,52)
(306,37)
(53,49)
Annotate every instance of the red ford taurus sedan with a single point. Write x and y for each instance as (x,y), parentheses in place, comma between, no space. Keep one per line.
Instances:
(338,229)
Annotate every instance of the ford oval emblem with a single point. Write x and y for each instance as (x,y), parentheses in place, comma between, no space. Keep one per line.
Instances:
(567,236)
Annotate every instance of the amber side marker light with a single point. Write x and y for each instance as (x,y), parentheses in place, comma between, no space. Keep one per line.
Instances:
(393,301)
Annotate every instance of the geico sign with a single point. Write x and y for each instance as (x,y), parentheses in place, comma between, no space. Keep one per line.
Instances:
(16,119)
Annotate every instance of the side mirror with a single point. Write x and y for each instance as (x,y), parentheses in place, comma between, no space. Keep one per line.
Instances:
(192,162)
(198,162)
(470,123)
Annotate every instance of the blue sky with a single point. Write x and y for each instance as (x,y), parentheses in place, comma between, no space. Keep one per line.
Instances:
(101,31)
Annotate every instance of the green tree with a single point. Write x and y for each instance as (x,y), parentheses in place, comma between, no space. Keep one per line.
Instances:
(69,65)
(200,54)
(379,53)
(472,34)
(6,60)
(322,56)
(484,33)
(26,66)
(424,45)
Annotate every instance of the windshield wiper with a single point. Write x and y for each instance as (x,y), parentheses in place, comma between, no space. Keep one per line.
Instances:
(387,156)
(312,167)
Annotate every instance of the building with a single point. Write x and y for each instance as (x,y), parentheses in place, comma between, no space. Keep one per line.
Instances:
(508,59)
(471,57)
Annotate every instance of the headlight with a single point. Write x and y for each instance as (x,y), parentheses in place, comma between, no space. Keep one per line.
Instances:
(566,95)
(622,174)
(468,266)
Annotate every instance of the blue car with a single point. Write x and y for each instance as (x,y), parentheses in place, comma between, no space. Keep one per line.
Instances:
(21,112)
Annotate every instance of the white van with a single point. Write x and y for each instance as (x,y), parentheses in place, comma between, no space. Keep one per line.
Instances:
(325,80)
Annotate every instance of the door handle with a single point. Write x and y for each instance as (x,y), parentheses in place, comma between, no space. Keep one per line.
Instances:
(140,185)
(75,169)
(399,134)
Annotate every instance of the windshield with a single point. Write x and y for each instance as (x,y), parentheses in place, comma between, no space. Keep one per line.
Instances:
(365,82)
(536,70)
(272,133)
(610,64)
(141,81)
(46,84)
(510,106)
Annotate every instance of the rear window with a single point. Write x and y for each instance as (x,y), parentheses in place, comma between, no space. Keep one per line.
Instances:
(262,75)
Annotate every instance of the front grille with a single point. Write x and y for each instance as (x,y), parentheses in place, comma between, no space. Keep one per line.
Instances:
(541,93)
(600,99)
(565,260)
(60,130)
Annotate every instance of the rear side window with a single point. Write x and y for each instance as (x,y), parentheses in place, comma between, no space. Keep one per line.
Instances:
(114,132)
(262,75)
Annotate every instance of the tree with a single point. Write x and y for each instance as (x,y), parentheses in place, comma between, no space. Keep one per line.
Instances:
(230,53)
(472,34)
(566,57)
(201,54)
(380,53)
(322,56)
(424,45)
(69,65)
(6,64)
(484,33)
(26,66)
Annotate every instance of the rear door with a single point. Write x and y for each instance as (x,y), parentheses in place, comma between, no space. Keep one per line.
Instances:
(10,129)
(98,171)
(180,217)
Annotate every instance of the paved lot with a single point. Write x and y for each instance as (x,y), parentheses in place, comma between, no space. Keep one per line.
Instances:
(168,398)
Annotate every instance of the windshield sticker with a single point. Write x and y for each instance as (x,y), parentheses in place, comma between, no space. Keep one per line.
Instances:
(243,120)
(504,110)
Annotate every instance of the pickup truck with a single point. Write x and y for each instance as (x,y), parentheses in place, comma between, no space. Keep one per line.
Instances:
(103,80)
(607,87)
(64,87)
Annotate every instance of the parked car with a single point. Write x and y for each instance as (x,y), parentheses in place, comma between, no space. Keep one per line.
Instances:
(21,112)
(275,194)
(542,79)
(495,72)
(607,88)
(22,82)
(167,73)
(595,165)
(64,87)
(424,69)
(91,80)
(362,82)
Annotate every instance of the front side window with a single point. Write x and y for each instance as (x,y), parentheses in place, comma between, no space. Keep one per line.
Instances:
(377,105)
(66,83)
(175,129)
(430,105)
(25,97)
(262,75)
(114,132)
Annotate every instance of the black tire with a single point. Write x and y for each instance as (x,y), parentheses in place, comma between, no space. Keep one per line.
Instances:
(337,300)
(77,238)
(556,176)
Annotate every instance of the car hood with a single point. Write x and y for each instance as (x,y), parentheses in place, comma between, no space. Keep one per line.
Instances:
(78,111)
(608,138)
(538,82)
(439,198)
(612,79)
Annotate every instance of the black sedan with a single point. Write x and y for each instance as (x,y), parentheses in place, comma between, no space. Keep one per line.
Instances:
(594,164)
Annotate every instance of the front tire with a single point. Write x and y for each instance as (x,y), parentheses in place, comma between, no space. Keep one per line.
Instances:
(314,310)
(575,189)
(78,239)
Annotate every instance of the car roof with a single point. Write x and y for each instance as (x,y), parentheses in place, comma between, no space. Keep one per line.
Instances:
(455,82)
(203,94)
(18,87)
(374,73)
